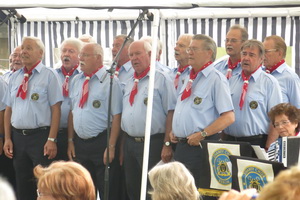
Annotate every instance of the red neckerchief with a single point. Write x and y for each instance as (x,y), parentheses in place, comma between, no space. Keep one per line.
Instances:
(117,71)
(231,67)
(179,71)
(137,78)
(85,87)
(24,85)
(269,71)
(245,87)
(187,92)
(65,86)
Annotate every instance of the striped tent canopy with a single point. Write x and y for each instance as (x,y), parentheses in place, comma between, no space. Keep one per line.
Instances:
(55,25)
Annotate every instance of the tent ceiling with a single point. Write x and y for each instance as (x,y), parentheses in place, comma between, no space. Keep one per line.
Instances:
(70,10)
(144,4)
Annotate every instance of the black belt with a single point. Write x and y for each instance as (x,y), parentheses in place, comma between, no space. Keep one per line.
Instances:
(181,140)
(31,131)
(92,138)
(142,139)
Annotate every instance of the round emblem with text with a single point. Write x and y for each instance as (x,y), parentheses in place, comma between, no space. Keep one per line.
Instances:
(220,160)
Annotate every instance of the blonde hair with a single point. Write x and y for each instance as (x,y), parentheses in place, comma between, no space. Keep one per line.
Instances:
(172,181)
(66,181)
(286,186)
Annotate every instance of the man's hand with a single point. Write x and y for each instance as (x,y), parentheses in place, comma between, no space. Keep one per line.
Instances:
(8,148)
(195,139)
(166,153)
(173,138)
(50,149)
(71,150)
(111,154)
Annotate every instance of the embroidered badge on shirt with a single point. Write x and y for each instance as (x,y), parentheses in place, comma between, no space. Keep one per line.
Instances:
(253,105)
(197,100)
(96,104)
(35,96)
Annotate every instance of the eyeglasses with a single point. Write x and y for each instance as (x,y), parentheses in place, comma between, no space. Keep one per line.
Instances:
(270,50)
(232,40)
(86,55)
(193,49)
(282,123)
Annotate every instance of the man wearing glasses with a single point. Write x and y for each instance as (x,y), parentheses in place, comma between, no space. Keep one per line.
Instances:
(253,94)
(235,37)
(87,122)
(275,65)
(203,107)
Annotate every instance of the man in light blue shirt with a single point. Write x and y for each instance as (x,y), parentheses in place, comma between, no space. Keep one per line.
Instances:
(275,52)
(69,51)
(235,37)
(203,107)
(32,115)
(133,122)
(253,94)
(88,118)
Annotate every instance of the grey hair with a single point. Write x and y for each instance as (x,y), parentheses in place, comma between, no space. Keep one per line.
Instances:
(209,44)
(73,41)
(254,43)
(242,29)
(38,42)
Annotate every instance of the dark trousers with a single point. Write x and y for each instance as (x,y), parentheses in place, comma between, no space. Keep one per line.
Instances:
(28,153)
(253,140)
(133,162)
(90,153)
(7,170)
(62,145)
(191,157)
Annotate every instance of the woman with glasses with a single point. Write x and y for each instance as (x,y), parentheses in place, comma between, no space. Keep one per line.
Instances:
(285,119)
(64,181)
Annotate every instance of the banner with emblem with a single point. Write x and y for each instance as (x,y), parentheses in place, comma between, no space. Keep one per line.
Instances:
(220,165)
(216,169)
(253,173)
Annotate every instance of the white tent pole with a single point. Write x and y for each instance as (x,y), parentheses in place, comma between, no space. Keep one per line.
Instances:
(149,105)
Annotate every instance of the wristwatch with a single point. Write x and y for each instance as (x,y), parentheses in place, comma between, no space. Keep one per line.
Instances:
(167,143)
(204,133)
(52,139)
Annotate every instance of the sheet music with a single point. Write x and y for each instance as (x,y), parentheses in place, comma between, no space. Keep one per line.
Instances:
(260,152)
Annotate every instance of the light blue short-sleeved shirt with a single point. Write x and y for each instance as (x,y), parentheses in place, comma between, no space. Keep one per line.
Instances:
(3,88)
(164,99)
(91,120)
(263,93)
(66,104)
(222,66)
(290,84)
(7,76)
(184,77)
(210,97)
(43,92)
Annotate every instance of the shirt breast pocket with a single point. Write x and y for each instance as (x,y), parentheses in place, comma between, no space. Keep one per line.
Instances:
(201,101)
(38,94)
(97,101)
(156,96)
(255,101)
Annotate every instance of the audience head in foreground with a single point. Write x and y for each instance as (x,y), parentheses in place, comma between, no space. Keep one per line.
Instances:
(64,181)
(6,190)
(172,181)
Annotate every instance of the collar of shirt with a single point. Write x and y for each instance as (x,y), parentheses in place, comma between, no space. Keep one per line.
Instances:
(126,66)
(207,70)
(99,74)
(255,75)
(38,68)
